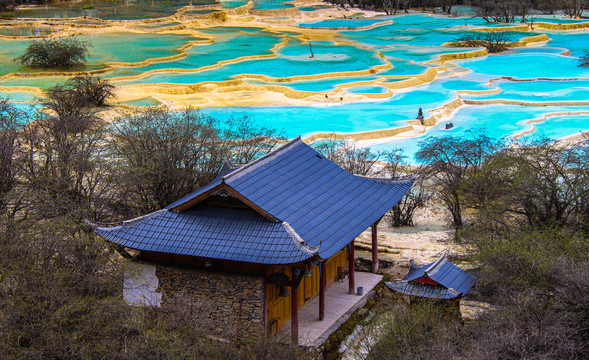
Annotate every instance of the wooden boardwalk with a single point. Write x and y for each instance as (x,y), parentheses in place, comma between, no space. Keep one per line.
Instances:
(339,305)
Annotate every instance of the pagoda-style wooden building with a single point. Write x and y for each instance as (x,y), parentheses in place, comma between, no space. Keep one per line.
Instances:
(262,239)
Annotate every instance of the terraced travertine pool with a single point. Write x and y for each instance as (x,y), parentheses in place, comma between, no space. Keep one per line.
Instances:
(304,67)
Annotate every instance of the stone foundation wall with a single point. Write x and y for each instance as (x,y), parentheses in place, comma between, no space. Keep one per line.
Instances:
(215,300)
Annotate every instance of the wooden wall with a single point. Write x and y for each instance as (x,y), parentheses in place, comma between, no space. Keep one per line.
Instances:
(278,308)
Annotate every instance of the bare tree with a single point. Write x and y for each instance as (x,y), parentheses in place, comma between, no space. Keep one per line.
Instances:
(247,139)
(11,122)
(6,5)
(358,161)
(163,155)
(541,182)
(65,168)
(450,161)
(575,8)
(417,197)
(502,10)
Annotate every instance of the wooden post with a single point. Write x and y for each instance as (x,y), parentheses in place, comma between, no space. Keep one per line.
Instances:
(294,314)
(375,247)
(322,283)
(351,267)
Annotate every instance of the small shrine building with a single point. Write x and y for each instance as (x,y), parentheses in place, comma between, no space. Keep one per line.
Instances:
(439,280)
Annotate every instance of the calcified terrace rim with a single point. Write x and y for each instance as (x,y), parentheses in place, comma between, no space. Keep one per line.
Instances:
(178,95)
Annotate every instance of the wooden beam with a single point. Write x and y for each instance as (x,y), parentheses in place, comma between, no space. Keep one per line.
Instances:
(233,192)
(255,207)
(322,286)
(197,199)
(351,268)
(375,247)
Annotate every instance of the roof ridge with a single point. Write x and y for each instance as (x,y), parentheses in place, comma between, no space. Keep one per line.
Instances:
(133,221)
(436,265)
(249,166)
(401,180)
(299,242)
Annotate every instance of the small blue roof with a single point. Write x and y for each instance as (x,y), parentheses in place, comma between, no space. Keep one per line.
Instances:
(323,206)
(444,273)
(423,290)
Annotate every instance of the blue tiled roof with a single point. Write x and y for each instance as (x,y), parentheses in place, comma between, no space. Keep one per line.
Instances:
(416,271)
(320,204)
(324,204)
(423,290)
(444,273)
(217,233)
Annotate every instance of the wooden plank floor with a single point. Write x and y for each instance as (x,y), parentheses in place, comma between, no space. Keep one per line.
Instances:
(339,305)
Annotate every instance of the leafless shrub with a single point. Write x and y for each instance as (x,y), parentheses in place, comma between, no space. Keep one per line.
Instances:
(493,41)
(84,90)
(411,333)
(55,53)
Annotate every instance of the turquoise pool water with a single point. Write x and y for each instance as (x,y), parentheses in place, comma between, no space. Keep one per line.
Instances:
(232,4)
(158,25)
(318,85)
(295,58)
(314,7)
(560,126)
(27,30)
(527,66)
(576,42)
(538,91)
(226,46)
(411,44)
(498,121)
(108,10)
(402,67)
(367,89)
(18,95)
(9,50)
(346,118)
(114,47)
(556,19)
(341,23)
(272,6)
(105,47)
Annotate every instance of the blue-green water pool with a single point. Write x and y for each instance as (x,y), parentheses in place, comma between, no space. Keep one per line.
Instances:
(412,44)
(499,121)
(342,23)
